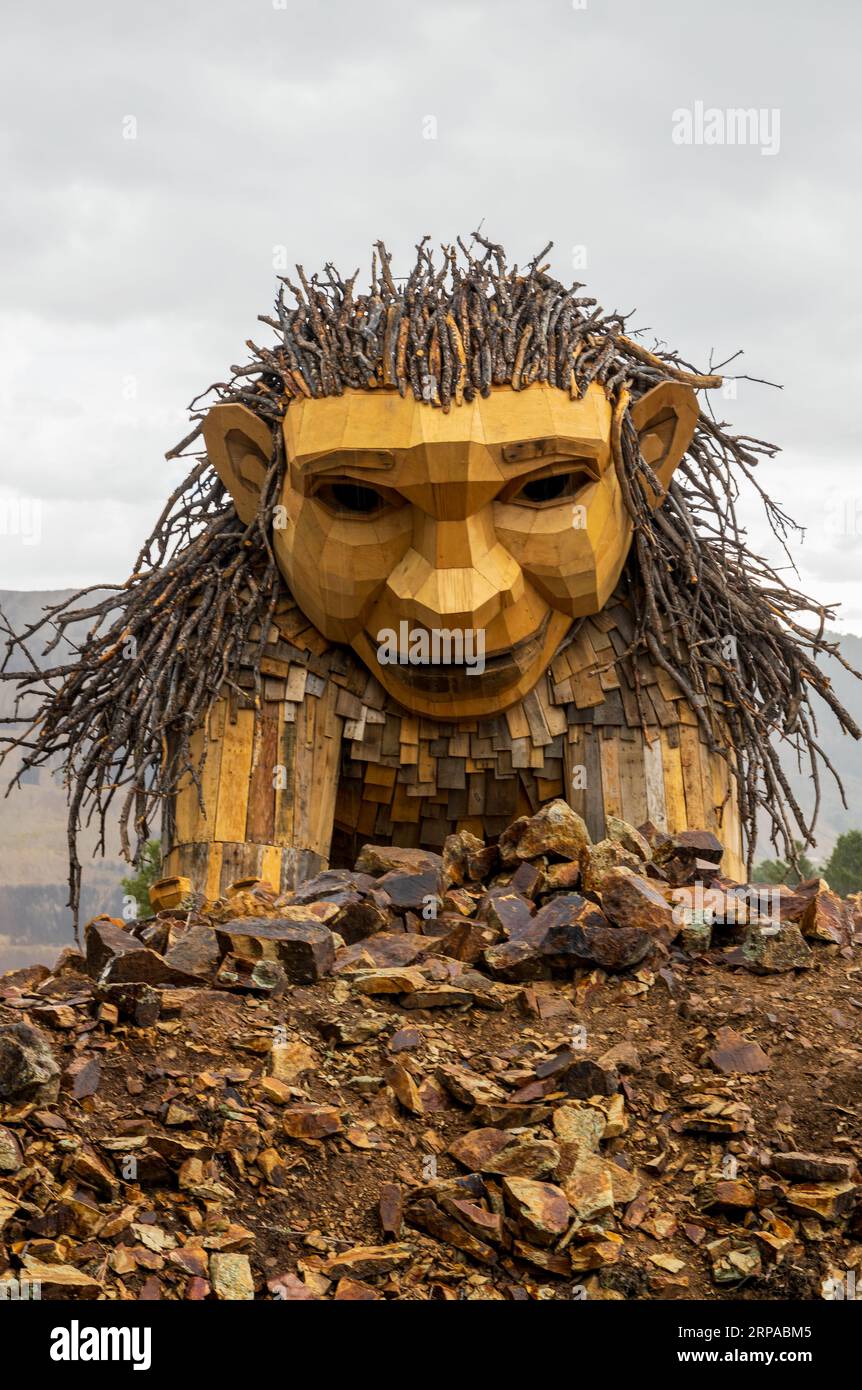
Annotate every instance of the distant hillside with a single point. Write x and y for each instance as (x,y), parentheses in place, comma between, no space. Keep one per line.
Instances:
(33,816)
(844,753)
(34,918)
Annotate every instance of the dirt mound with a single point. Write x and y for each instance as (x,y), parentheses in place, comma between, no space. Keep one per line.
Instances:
(539,1069)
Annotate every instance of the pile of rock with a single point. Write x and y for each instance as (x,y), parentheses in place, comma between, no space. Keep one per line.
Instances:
(530,1041)
(455,929)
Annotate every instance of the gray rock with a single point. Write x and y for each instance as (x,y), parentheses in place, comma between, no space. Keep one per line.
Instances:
(28,1067)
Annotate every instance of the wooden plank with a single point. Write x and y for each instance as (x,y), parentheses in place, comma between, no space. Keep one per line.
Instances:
(609,757)
(236,754)
(690,750)
(632,779)
(595,813)
(270,865)
(674,790)
(213,875)
(284,794)
(260,822)
(654,782)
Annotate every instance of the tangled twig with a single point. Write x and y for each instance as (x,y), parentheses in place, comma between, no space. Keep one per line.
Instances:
(160,649)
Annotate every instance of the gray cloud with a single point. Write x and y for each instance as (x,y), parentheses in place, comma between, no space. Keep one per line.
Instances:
(133,270)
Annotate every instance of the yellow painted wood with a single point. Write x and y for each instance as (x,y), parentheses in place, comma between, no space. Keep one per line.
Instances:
(236,755)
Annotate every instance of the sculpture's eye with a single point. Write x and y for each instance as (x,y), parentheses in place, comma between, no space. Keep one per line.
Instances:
(349,498)
(549,490)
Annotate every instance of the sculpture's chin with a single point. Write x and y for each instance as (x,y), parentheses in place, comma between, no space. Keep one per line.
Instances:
(478,685)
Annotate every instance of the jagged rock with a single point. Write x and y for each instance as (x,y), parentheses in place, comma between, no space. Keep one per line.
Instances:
(391,1209)
(678,855)
(140,1004)
(115,957)
(257,976)
(527,879)
(596,1254)
(830,1201)
(773,952)
(405,1088)
(28,1067)
(196,953)
(630,838)
(365,1261)
(390,980)
(231,1277)
(623,1056)
(311,1121)
(383,859)
(516,962)
(332,884)
(11,1156)
(597,861)
(555,829)
(499,1151)
(630,900)
(578,1129)
(59,1281)
(736,1055)
(484,1225)
(581,1078)
(589,1187)
(825,917)
(426,1214)
(615,948)
(468,1087)
(733,1260)
(410,891)
(467,859)
(463,939)
(27,979)
(305,950)
(540,1209)
(808,1167)
(290,1061)
(351,1032)
(506,911)
(561,878)
(732,1194)
(82,1077)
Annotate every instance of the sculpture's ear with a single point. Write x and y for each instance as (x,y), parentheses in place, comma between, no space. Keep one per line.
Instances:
(239,445)
(665,419)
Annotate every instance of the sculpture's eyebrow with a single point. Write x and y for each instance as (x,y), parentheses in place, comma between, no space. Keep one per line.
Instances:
(537,450)
(374,460)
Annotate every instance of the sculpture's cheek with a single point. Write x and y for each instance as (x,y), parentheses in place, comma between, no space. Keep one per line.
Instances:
(572,553)
(337,567)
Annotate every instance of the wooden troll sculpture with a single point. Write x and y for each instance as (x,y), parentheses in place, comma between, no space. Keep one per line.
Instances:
(457,546)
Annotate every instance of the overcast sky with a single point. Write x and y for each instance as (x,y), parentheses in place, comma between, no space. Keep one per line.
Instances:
(133,268)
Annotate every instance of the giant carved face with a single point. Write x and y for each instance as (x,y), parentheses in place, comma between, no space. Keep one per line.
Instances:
(472,537)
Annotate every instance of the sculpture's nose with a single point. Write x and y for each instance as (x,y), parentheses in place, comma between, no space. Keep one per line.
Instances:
(456,574)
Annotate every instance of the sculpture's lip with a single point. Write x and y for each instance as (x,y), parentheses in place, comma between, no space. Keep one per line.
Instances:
(479,673)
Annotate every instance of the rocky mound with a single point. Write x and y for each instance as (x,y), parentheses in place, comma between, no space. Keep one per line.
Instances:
(543,1068)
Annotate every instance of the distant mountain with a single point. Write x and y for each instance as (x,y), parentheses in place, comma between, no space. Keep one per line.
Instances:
(843,752)
(34,920)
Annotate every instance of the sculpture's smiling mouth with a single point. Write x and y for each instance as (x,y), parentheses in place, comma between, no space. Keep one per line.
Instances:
(408,664)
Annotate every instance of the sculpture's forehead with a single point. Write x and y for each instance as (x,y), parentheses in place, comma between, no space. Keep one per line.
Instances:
(488,439)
